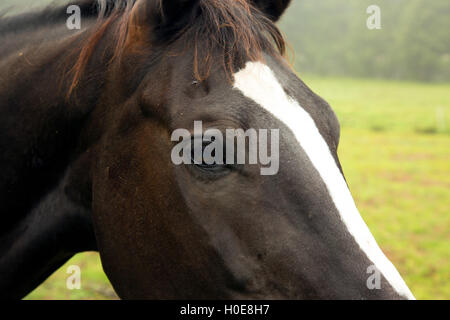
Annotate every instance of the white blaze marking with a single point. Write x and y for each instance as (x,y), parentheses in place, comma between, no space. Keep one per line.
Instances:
(257,82)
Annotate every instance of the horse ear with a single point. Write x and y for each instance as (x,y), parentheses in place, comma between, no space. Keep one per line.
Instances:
(169,13)
(274,9)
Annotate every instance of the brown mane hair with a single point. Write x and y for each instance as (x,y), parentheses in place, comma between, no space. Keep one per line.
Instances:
(234,29)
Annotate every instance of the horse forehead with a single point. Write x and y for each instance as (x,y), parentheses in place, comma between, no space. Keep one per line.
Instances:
(271,89)
(271,84)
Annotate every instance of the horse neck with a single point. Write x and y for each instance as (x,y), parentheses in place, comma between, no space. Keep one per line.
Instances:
(35,79)
(40,128)
(37,117)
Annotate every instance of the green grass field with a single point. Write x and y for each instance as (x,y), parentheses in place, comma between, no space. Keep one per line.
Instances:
(395,150)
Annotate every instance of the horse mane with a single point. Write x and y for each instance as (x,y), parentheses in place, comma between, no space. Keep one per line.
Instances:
(233,31)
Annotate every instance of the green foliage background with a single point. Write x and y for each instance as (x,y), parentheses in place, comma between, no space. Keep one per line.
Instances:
(330,37)
(390,89)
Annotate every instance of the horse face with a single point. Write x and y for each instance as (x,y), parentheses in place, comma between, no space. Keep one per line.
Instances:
(168,230)
(228,231)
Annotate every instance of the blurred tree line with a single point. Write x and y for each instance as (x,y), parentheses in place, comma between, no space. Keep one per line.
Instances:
(330,37)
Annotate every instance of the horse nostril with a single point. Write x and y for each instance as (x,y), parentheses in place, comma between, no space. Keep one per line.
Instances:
(242,280)
(239,283)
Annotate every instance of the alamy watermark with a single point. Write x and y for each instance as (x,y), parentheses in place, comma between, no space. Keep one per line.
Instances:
(74,20)
(374,280)
(212,148)
(374,20)
(74,280)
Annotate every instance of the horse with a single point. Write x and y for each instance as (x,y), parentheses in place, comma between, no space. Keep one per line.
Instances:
(86,123)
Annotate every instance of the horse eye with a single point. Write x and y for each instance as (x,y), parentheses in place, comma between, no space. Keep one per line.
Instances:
(208,166)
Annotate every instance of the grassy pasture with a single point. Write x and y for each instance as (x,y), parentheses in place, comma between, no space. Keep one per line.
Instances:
(395,151)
